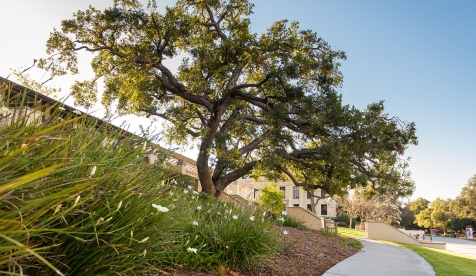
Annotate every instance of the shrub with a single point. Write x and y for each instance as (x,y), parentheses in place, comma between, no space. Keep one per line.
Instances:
(271,198)
(223,235)
(329,232)
(342,224)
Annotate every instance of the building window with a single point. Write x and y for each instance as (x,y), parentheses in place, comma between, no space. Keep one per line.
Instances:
(296,192)
(309,208)
(323,209)
(284,191)
(296,205)
(308,195)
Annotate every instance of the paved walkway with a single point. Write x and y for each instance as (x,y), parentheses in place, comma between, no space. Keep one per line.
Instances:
(460,246)
(377,258)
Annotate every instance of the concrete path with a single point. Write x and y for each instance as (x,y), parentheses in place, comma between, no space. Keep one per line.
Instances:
(377,258)
(460,246)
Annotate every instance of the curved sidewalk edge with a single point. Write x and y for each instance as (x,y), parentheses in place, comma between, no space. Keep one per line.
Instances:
(378,258)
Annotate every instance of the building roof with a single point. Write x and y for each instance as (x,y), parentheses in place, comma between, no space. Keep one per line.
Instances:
(18,89)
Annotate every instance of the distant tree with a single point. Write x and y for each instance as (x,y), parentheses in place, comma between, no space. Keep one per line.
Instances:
(352,204)
(271,198)
(407,216)
(464,205)
(418,205)
(384,208)
(255,104)
(441,215)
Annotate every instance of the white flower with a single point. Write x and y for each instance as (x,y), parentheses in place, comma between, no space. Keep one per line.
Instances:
(77,200)
(77,112)
(283,213)
(119,206)
(235,217)
(218,213)
(160,208)
(93,171)
(193,197)
(58,208)
(285,232)
(189,187)
(195,223)
(264,214)
(171,192)
(199,207)
(281,219)
(144,240)
(195,192)
(252,218)
(192,250)
(185,191)
(4,110)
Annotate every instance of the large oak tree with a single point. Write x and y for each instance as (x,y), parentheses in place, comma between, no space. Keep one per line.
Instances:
(261,104)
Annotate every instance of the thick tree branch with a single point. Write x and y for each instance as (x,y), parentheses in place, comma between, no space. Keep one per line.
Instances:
(251,146)
(232,119)
(234,175)
(163,116)
(300,184)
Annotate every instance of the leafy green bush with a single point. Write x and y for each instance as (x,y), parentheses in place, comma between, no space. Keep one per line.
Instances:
(76,198)
(271,198)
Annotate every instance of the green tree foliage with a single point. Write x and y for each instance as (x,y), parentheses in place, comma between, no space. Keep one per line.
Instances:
(261,104)
(441,215)
(418,205)
(464,205)
(407,216)
(271,198)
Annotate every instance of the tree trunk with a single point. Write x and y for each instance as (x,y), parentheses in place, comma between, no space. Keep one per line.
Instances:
(313,203)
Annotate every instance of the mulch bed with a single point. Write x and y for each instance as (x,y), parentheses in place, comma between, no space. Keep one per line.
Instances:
(311,254)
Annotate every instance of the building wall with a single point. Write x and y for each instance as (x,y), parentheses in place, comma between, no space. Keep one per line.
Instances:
(289,200)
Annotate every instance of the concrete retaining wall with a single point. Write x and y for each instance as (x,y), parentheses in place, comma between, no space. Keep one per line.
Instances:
(311,220)
(383,231)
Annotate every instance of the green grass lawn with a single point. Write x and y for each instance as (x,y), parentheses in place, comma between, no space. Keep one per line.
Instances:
(349,232)
(444,263)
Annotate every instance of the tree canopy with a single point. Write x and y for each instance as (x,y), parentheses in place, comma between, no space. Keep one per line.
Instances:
(464,204)
(260,104)
(419,205)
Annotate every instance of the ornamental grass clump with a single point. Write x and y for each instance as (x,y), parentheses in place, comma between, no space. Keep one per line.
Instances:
(222,235)
(77,198)
(291,221)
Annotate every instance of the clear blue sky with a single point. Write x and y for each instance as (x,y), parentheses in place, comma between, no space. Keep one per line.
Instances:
(417,56)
